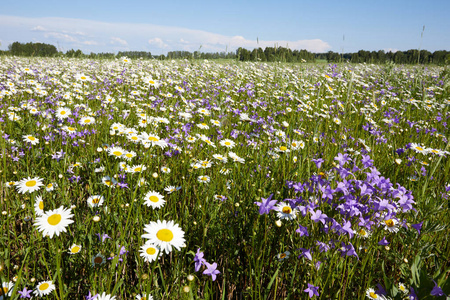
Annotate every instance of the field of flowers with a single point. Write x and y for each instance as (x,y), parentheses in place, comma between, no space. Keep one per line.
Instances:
(137,179)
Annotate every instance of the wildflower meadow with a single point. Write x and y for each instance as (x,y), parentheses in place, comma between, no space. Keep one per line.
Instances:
(192,179)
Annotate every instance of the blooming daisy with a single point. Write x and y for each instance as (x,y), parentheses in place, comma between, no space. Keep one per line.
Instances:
(149,252)
(6,290)
(86,121)
(170,189)
(220,157)
(144,297)
(95,201)
(204,179)
(29,185)
(117,152)
(98,260)
(129,155)
(203,126)
(31,139)
(370,293)
(39,206)
(227,143)
(63,113)
(165,170)
(285,211)
(391,225)
(165,234)
(283,256)
(364,233)
(44,288)
(137,169)
(74,249)
(50,187)
(418,148)
(154,199)
(402,288)
(108,181)
(282,149)
(105,296)
(297,144)
(54,221)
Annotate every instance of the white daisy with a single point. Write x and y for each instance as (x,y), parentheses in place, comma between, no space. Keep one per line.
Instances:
(220,157)
(204,179)
(117,152)
(165,234)
(29,185)
(391,225)
(86,121)
(31,139)
(54,221)
(144,297)
(39,206)
(154,199)
(149,252)
(227,143)
(63,113)
(74,249)
(44,288)
(6,289)
(95,201)
(285,211)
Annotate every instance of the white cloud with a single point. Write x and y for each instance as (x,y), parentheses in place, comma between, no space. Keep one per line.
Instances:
(38,28)
(117,40)
(104,37)
(158,43)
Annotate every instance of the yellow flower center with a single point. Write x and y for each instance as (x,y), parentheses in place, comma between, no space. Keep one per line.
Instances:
(49,185)
(63,112)
(154,199)
(283,148)
(41,205)
(75,249)
(117,153)
(164,235)
(134,138)
(54,219)
(108,182)
(282,255)
(389,223)
(71,128)
(129,155)
(83,78)
(151,82)
(4,290)
(31,138)
(44,286)
(150,251)
(286,210)
(87,121)
(362,232)
(419,148)
(153,139)
(373,295)
(31,183)
(96,200)
(138,169)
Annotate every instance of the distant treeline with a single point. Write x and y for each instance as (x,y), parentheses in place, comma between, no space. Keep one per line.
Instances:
(269,54)
(400,57)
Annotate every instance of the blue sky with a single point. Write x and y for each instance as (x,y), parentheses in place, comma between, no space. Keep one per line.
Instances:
(158,26)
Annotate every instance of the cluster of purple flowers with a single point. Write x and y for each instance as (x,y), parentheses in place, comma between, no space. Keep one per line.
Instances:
(211,269)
